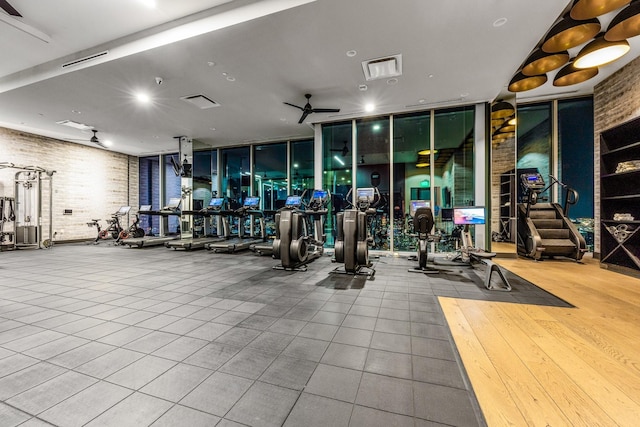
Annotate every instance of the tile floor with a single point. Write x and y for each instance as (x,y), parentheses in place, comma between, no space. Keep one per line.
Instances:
(115,336)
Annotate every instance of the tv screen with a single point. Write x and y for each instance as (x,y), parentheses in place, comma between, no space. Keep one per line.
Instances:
(468,215)
(447,214)
(251,202)
(293,201)
(216,202)
(415,204)
(320,194)
(365,194)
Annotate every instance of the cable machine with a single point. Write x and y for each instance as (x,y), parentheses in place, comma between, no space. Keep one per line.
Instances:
(31,183)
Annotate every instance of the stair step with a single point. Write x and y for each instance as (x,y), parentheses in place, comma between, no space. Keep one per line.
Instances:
(542,214)
(548,223)
(554,233)
(557,246)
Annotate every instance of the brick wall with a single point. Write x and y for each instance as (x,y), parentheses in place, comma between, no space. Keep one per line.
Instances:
(615,101)
(93,182)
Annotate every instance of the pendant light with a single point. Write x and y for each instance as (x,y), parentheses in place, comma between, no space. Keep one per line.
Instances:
(570,75)
(626,24)
(569,33)
(422,162)
(586,9)
(501,110)
(600,52)
(521,83)
(540,62)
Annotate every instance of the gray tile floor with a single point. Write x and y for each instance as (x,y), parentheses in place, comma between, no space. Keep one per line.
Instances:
(114,336)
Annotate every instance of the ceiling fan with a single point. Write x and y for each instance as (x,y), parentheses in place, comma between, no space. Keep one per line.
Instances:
(308,109)
(4,4)
(343,151)
(93,139)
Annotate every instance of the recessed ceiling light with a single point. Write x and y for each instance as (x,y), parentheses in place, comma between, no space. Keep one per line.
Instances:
(76,111)
(212,128)
(499,22)
(351,53)
(231,79)
(421,101)
(464,94)
(392,81)
(107,142)
(143,97)
(430,76)
(211,64)
(363,87)
(369,107)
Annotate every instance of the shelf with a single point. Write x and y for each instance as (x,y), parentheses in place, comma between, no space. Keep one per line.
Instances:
(621,149)
(611,221)
(625,197)
(618,174)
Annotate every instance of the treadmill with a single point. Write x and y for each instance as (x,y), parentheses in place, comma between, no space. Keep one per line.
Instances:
(172,208)
(214,209)
(243,241)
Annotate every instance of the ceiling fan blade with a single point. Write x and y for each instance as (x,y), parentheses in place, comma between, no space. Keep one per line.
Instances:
(326,110)
(304,116)
(283,102)
(9,9)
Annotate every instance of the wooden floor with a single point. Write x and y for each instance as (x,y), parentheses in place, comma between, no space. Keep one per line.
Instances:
(548,366)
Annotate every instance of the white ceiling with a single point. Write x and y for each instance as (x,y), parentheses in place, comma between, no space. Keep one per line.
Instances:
(275,51)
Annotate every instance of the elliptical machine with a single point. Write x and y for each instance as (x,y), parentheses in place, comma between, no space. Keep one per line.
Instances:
(352,237)
(294,246)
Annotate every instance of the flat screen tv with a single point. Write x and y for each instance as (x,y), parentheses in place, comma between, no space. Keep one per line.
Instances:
(251,202)
(216,202)
(415,204)
(469,215)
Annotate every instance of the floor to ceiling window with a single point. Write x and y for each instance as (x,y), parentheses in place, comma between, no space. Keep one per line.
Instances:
(302,166)
(172,190)
(453,169)
(411,173)
(149,192)
(534,146)
(337,154)
(270,174)
(236,175)
(205,186)
(372,170)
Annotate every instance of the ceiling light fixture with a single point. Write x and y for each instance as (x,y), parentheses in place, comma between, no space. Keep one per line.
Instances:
(586,9)
(369,107)
(351,53)
(422,162)
(499,22)
(540,62)
(522,83)
(626,23)
(569,33)
(143,97)
(600,52)
(501,110)
(426,152)
(570,75)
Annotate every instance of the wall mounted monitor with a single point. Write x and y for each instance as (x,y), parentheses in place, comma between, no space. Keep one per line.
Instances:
(251,202)
(415,204)
(469,215)
(293,201)
(216,202)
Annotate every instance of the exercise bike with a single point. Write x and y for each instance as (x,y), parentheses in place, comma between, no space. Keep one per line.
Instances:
(114,228)
(352,236)
(133,231)
(294,246)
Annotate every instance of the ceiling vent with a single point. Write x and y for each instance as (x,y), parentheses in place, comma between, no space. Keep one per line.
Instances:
(383,68)
(85,59)
(74,125)
(200,101)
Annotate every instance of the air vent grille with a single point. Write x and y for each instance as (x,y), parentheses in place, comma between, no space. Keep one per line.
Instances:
(200,101)
(85,59)
(382,68)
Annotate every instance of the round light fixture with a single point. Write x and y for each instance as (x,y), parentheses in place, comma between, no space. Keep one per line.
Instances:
(369,107)
(143,97)
(540,62)
(570,75)
(569,33)
(426,152)
(522,83)
(600,52)
(499,22)
(626,24)
(586,9)
(351,53)
(501,110)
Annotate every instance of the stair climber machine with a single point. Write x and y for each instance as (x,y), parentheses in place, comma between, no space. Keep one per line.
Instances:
(294,246)
(352,233)
(544,229)
(248,211)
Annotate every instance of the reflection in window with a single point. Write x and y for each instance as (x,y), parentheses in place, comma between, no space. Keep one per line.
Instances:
(453,169)
(236,175)
(372,170)
(534,142)
(270,174)
(575,157)
(172,189)
(149,194)
(302,166)
(411,173)
(337,154)
(205,186)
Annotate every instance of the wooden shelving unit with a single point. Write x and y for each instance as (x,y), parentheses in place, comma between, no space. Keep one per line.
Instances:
(508,206)
(620,194)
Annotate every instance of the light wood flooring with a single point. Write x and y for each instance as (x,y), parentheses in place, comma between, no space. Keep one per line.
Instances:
(549,366)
